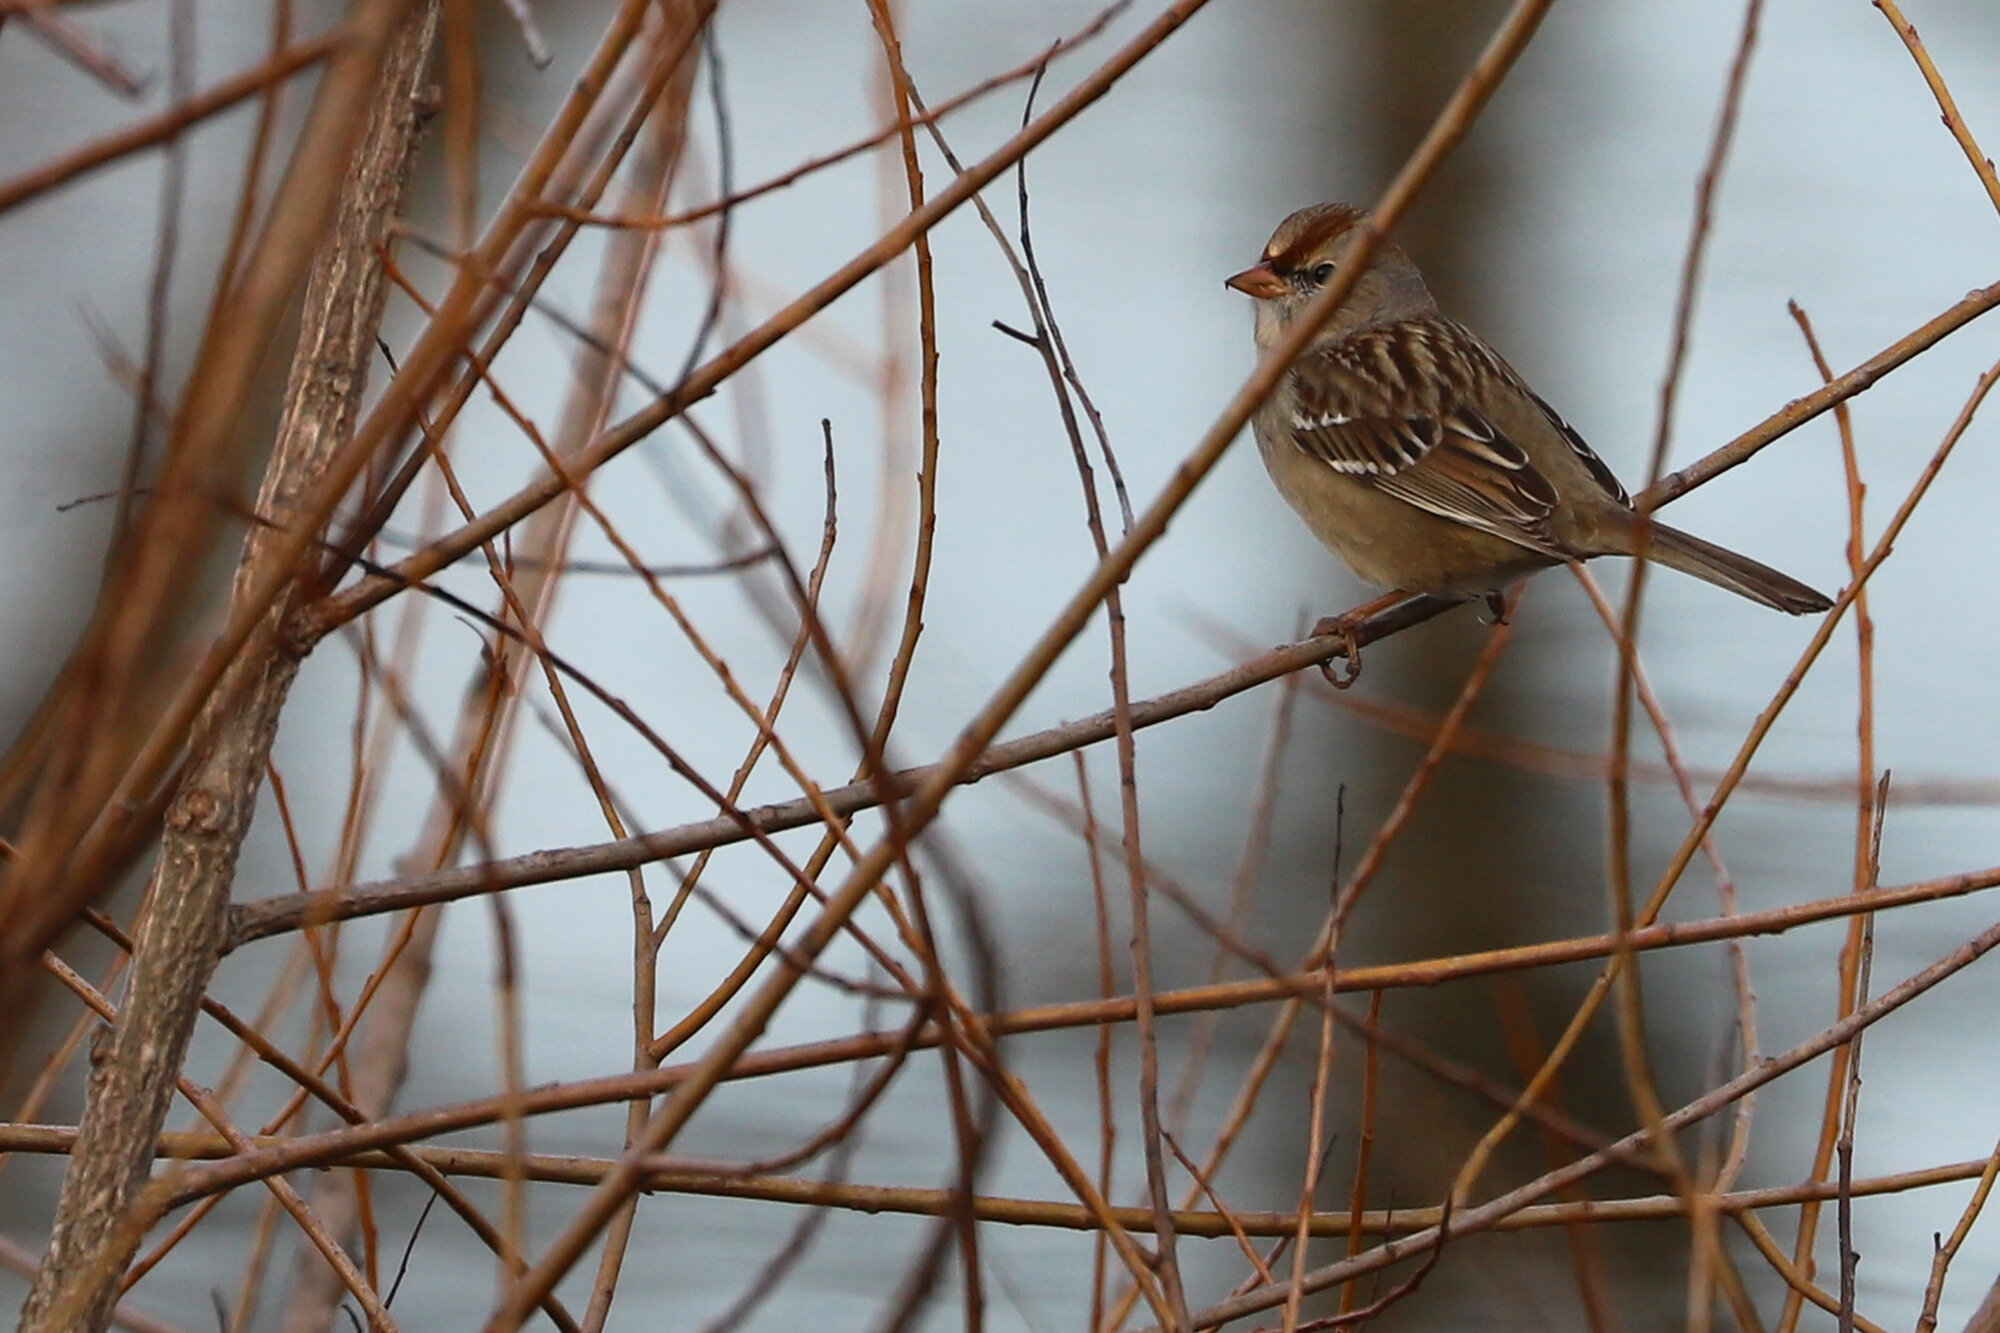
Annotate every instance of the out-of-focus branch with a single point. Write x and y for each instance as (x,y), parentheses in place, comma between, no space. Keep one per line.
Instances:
(490,708)
(80,49)
(176,119)
(321,1149)
(1986,1319)
(181,934)
(706,378)
(669,1175)
(123,795)
(113,690)
(1472,1220)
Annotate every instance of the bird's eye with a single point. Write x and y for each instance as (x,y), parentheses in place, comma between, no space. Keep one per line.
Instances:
(1320,273)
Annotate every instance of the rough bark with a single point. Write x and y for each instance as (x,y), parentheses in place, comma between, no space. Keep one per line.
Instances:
(182,931)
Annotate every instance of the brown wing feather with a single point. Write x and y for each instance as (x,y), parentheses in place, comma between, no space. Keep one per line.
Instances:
(1390,406)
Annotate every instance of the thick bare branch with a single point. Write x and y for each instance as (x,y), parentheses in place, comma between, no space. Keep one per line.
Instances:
(181,935)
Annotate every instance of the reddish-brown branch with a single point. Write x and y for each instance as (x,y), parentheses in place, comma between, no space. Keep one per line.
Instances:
(354,173)
(1948,111)
(172,122)
(318,1149)
(1480,1217)
(720,1180)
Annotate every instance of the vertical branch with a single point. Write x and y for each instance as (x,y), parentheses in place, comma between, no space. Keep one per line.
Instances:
(1316,1145)
(1846,995)
(1630,996)
(173,188)
(486,726)
(1725,882)
(1151,1138)
(897,191)
(1850,1104)
(123,686)
(180,938)
(1364,1149)
(1107,986)
(460,51)
(1068,390)
(892,527)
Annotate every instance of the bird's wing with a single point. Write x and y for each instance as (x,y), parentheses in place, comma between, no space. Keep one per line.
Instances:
(1399,407)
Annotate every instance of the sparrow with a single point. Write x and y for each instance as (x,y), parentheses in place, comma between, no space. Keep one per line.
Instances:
(1420,457)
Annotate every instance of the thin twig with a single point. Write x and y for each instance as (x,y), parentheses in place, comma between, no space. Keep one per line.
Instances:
(171,123)
(1982,165)
(1846,993)
(1477,1160)
(725,1180)
(1477,1218)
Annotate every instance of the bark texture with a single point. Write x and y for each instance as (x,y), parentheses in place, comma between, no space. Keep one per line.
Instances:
(182,927)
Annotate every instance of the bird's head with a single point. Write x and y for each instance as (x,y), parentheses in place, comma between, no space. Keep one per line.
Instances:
(1303,255)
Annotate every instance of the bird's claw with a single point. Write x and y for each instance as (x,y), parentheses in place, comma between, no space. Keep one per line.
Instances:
(1342,627)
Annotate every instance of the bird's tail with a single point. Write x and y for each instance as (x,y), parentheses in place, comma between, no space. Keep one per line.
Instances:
(1726,569)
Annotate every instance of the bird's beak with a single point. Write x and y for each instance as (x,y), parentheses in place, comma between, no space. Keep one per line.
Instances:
(1259,282)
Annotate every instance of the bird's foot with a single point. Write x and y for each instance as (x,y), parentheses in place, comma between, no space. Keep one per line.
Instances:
(1496,605)
(1343,627)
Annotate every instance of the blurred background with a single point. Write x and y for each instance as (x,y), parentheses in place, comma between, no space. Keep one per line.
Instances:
(1558,229)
